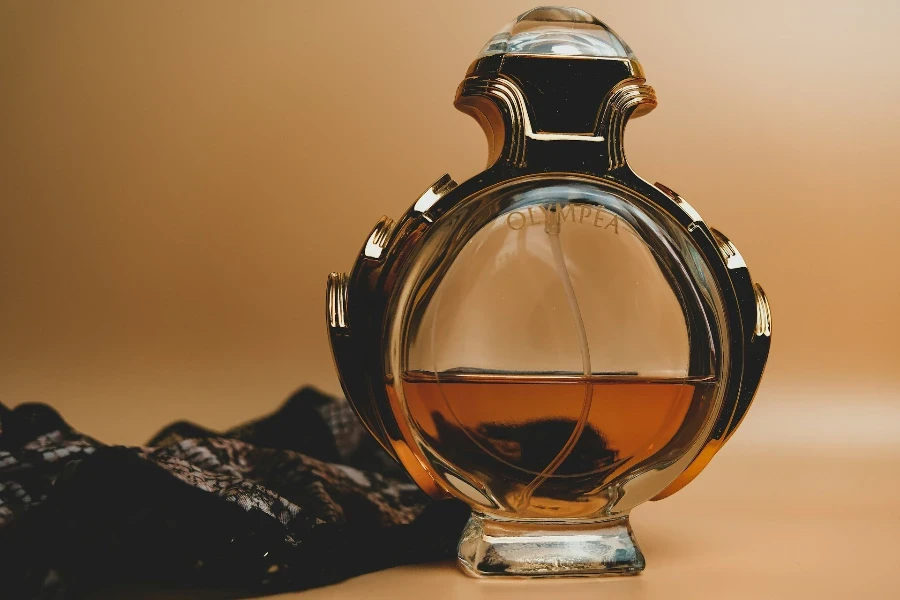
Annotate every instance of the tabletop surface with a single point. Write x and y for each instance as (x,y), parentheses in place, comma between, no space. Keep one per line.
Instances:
(809,508)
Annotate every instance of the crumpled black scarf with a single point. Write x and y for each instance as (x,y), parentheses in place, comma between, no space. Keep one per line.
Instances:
(301,498)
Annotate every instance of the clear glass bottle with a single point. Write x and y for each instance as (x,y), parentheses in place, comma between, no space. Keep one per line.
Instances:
(554,341)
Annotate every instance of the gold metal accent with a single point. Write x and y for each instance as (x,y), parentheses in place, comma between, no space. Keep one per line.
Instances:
(506,90)
(507,113)
(378,239)
(336,300)
(630,98)
(434,193)
(514,119)
(733,258)
(763,314)
(510,113)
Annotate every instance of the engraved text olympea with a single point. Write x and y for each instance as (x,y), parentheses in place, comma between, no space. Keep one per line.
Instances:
(577,213)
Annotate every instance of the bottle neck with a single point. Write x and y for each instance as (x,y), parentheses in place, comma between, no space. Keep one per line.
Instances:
(565,95)
(553,111)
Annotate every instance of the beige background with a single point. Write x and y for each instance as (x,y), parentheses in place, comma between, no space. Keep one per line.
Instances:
(177,180)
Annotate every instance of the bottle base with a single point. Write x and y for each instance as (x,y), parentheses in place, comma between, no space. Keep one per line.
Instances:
(491,547)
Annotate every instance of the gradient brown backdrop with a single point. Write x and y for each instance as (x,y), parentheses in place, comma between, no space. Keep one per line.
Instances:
(177,179)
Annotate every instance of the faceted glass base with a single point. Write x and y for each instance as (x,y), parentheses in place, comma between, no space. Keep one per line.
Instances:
(491,547)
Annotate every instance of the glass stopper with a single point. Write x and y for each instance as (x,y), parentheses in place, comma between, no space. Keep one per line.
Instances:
(557,31)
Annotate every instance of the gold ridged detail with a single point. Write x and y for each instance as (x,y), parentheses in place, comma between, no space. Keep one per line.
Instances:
(434,193)
(509,115)
(729,252)
(763,313)
(725,246)
(382,232)
(512,103)
(336,299)
(631,97)
(378,239)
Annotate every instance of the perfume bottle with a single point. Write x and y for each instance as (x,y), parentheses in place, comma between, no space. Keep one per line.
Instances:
(555,340)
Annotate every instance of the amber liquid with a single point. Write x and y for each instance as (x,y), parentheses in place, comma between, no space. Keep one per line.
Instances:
(501,431)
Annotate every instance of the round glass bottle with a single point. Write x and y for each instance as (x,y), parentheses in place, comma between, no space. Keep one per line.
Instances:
(554,341)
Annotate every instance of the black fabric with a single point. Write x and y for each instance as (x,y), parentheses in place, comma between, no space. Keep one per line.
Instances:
(301,498)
